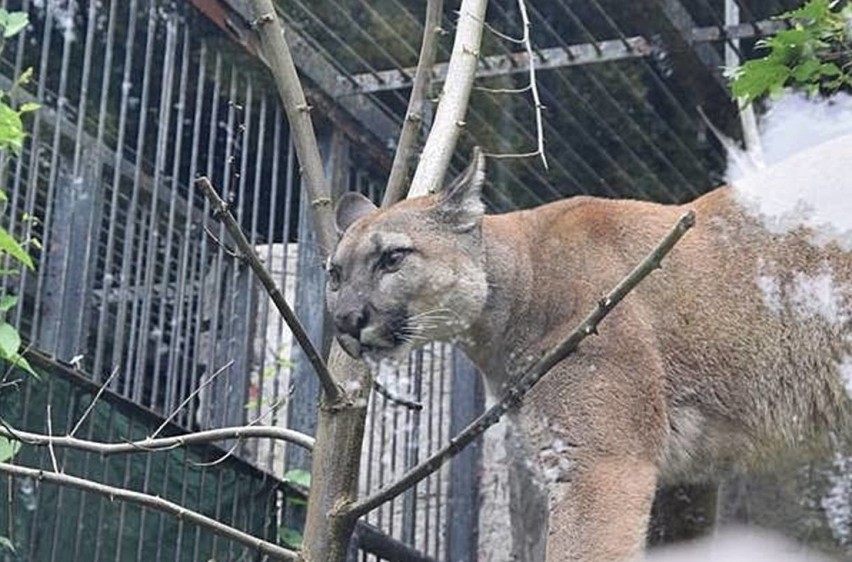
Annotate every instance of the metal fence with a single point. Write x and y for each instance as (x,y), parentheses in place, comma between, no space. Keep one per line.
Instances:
(138,98)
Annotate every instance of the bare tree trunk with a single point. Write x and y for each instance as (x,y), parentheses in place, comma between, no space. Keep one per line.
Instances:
(336,463)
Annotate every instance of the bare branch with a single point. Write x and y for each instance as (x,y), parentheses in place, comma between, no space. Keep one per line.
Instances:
(50,442)
(192,395)
(152,502)
(393,398)
(223,213)
(151,444)
(450,115)
(396,187)
(539,125)
(513,395)
(94,401)
(280,61)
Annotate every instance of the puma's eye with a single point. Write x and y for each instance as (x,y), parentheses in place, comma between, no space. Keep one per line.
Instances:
(391,260)
(333,277)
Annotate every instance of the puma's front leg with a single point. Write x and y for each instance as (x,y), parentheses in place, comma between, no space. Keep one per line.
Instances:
(602,513)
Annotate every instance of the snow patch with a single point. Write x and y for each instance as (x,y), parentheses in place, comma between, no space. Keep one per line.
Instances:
(807,182)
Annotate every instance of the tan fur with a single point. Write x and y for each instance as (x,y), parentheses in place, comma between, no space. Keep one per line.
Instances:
(697,371)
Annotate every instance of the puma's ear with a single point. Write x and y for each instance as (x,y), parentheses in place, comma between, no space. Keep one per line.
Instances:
(351,207)
(462,200)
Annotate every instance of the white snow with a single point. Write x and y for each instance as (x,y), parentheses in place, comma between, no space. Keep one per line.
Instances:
(807,181)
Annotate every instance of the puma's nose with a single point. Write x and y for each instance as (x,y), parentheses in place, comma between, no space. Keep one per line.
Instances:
(351,323)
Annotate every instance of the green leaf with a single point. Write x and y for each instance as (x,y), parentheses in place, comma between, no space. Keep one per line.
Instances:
(15,23)
(815,10)
(299,477)
(3,196)
(830,69)
(291,538)
(806,71)
(9,245)
(11,129)
(8,448)
(757,77)
(7,302)
(28,107)
(10,340)
(24,78)
(19,361)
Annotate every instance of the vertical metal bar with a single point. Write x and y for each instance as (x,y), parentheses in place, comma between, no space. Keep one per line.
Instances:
(748,121)
(193,248)
(35,151)
(82,106)
(207,269)
(174,325)
(153,256)
(252,328)
(412,450)
(463,496)
(279,390)
(146,484)
(102,502)
(394,452)
(138,336)
(218,255)
(15,194)
(309,307)
(52,177)
(130,225)
(440,473)
(183,501)
(101,343)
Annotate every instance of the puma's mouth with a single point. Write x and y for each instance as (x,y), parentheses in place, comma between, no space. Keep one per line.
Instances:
(377,341)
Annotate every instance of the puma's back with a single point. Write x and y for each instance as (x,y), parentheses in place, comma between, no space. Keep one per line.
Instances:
(737,349)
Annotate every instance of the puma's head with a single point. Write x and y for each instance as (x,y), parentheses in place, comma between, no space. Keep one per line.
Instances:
(410,273)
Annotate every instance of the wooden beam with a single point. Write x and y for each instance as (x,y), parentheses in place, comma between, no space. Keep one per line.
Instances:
(501,65)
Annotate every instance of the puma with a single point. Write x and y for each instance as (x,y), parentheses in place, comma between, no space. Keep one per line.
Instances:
(738,349)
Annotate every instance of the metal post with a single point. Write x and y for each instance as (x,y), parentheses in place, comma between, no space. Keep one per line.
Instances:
(468,401)
(310,304)
(68,275)
(751,136)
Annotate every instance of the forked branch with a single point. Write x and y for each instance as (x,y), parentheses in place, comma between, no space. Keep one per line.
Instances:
(396,187)
(223,213)
(159,444)
(153,502)
(450,115)
(513,395)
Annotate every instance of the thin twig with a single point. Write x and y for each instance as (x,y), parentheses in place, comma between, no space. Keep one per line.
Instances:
(527,41)
(50,443)
(152,502)
(150,444)
(94,401)
(223,213)
(488,90)
(397,184)
(513,395)
(192,395)
(215,239)
(220,460)
(394,399)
